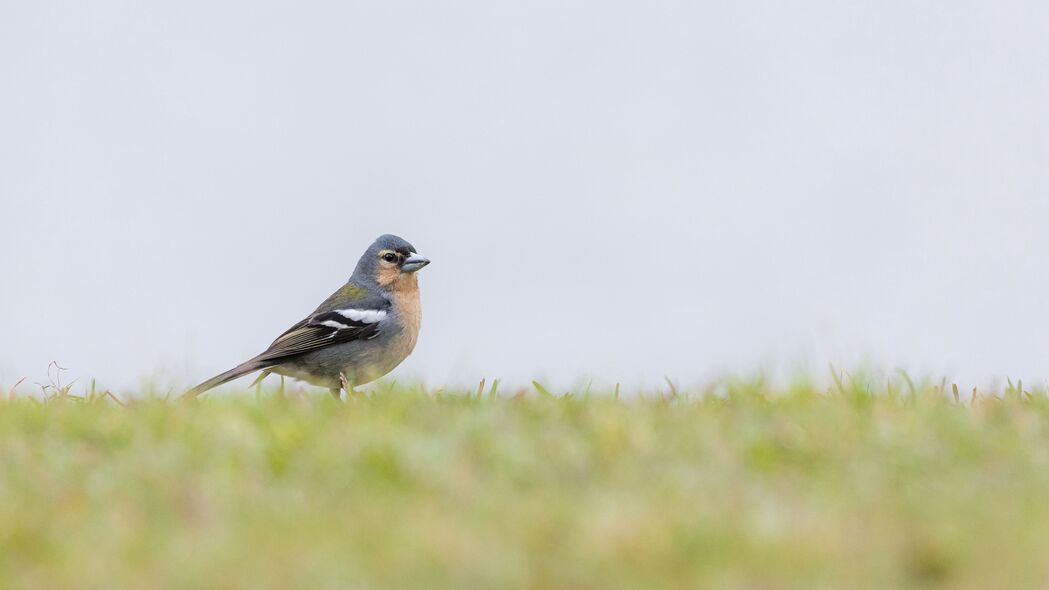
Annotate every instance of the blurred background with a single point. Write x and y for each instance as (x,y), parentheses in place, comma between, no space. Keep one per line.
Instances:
(608,190)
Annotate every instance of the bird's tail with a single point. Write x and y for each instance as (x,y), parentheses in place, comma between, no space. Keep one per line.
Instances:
(238,371)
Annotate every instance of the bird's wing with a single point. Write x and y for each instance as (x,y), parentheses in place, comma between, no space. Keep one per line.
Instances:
(326,328)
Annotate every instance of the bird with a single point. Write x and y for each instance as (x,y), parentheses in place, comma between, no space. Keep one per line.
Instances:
(357,335)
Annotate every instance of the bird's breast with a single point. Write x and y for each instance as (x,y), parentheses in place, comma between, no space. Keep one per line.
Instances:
(409,314)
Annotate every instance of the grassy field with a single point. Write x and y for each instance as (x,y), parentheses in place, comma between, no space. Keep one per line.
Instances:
(740,487)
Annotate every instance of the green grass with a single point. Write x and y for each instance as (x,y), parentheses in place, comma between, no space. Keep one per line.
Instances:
(740,488)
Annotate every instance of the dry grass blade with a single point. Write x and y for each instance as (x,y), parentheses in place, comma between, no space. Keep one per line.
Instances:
(673,388)
(11,394)
(109,394)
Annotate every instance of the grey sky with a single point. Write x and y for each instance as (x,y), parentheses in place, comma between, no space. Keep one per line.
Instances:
(623,190)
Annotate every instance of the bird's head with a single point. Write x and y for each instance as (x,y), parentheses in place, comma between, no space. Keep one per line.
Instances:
(391,262)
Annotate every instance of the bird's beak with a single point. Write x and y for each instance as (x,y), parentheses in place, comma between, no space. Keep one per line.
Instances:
(414,263)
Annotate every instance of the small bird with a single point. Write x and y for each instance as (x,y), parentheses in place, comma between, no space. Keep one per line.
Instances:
(357,335)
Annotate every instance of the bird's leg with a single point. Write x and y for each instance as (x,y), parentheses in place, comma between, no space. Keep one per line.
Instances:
(345,384)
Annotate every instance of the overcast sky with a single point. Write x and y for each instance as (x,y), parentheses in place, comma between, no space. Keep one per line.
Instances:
(616,190)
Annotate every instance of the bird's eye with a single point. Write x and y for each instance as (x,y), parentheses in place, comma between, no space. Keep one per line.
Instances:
(390,257)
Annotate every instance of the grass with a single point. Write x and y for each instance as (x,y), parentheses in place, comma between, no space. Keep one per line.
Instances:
(740,487)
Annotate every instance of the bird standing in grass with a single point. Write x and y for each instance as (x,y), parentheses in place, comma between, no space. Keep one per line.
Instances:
(357,335)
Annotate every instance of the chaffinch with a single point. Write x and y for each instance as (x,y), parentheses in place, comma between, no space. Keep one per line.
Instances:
(357,335)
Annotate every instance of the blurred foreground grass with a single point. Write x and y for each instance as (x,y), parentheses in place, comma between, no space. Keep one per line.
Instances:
(745,489)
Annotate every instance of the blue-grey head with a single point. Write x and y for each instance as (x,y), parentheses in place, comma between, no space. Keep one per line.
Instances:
(388,260)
